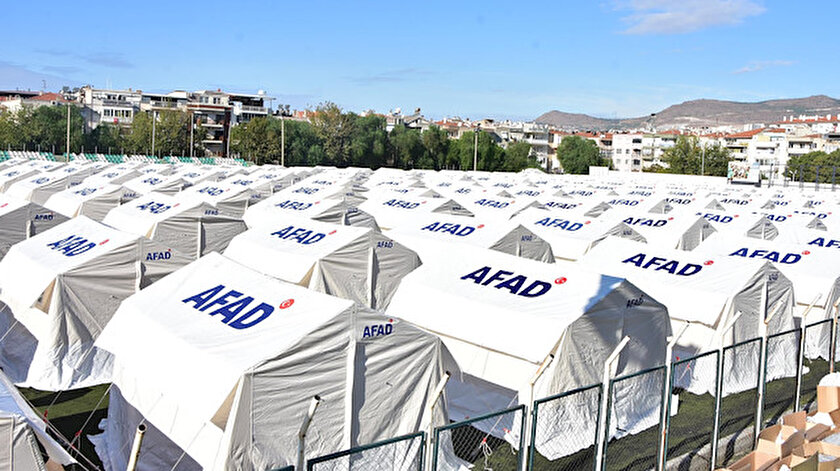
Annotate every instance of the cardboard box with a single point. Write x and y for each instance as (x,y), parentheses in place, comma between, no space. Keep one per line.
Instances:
(755,461)
(779,440)
(813,432)
(796,463)
(815,448)
(828,398)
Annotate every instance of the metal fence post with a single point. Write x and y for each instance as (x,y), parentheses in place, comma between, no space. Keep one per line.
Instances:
(800,366)
(817,179)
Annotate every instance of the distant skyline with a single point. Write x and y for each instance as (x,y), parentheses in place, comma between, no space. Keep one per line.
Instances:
(610,58)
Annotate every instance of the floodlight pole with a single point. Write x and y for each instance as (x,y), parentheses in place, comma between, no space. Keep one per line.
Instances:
(475,148)
(67,157)
(154,121)
(282,139)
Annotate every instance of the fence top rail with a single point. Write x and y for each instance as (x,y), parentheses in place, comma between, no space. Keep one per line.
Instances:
(695,358)
(359,449)
(787,332)
(741,344)
(442,428)
(638,373)
(824,321)
(567,393)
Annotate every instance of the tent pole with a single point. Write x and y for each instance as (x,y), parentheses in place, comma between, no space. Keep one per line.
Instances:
(431,412)
(527,416)
(801,357)
(762,362)
(307,420)
(833,338)
(666,399)
(602,417)
(135,448)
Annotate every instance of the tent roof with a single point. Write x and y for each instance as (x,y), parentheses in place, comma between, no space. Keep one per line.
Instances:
(288,247)
(205,357)
(31,265)
(140,215)
(460,298)
(699,294)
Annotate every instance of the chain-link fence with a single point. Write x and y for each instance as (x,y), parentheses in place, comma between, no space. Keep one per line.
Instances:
(633,424)
(404,453)
(780,371)
(493,442)
(817,343)
(691,414)
(564,430)
(818,177)
(739,400)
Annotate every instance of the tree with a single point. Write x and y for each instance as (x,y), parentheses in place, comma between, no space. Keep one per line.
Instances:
(369,142)
(435,148)
(106,138)
(257,140)
(688,157)
(303,146)
(804,167)
(518,157)
(577,154)
(335,130)
(406,146)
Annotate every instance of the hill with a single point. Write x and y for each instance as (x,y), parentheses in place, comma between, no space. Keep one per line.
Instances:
(702,113)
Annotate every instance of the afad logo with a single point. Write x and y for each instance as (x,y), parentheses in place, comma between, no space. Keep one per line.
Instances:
(394,203)
(300,235)
(293,205)
(773,256)
(44,217)
(85,191)
(378,330)
(734,201)
(717,217)
(74,245)
(645,222)
(822,242)
(562,224)
(517,284)
(233,307)
(533,193)
(153,256)
(581,193)
(623,202)
(307,190)
(560,205)
(41,180)
(152,181)
(682,201)
(674,267)
(492,203)
(640,193)
(449,228)
(154,208)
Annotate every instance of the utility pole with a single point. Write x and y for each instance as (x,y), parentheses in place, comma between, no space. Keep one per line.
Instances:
(282,138)
(703,160)
(154,122)
(67,155)
(192,128)
(475,148)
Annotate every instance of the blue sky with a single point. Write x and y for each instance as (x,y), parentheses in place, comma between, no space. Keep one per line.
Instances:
(610,58)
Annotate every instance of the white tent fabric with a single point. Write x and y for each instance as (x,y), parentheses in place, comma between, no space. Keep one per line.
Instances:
(193,228)
(86,200)
(154,182)
(505,236)
(720,299)
(39,188)
(12,175)
(349,262)
(20,219)
(396,211)
(244,354)
(501,316)
(20,428)
(58,289)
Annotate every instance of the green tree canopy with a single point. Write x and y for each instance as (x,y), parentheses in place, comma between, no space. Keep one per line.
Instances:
(577,154)
(688,157)
(518,156)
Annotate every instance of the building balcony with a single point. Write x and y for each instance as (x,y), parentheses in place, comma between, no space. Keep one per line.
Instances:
(254,109)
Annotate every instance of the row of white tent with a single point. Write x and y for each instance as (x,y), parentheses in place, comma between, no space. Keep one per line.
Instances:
(221,356)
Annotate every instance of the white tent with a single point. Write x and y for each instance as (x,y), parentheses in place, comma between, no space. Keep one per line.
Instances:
(504,236)
(395,211)
(152,182)
(58,289)
(354,263)
(338,210)
(39,188)
(722,301)
(12,175)
(193,228)
(241,355)
(22,431)
(21,219)
(93,201)
(502,316)
(571,233)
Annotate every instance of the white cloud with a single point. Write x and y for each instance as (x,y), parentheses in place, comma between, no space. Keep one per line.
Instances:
(684,16)
(755,66)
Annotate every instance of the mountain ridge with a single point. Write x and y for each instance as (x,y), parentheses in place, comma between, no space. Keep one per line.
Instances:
(701,112)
